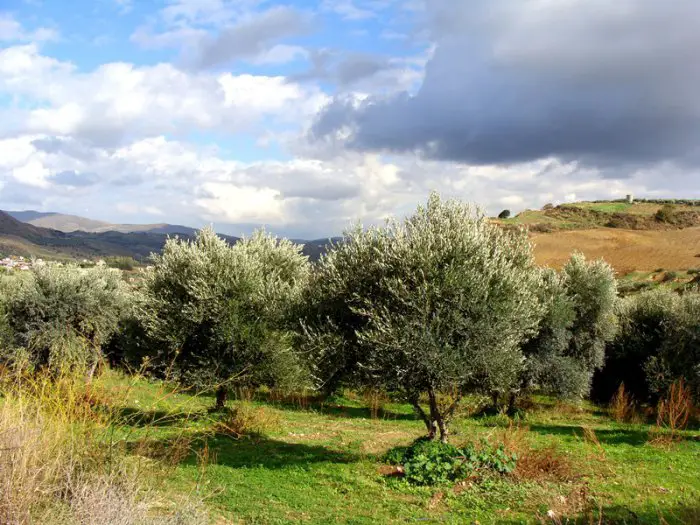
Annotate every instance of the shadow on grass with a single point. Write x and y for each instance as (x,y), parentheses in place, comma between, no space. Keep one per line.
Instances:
(261,451)
(136,417)
(335,407)
(252,451)
(614,436)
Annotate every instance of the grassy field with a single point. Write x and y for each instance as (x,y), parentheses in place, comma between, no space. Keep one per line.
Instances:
(322,463)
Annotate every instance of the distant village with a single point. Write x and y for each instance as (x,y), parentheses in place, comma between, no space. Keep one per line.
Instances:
(20,263)
(14,262)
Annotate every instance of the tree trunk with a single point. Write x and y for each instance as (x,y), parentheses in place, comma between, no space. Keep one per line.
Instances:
(221,397)
(511,403)
(429,425)
(436,418)
(97,358)
(494,398)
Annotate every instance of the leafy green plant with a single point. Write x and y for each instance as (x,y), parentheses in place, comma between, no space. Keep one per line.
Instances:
(428,462)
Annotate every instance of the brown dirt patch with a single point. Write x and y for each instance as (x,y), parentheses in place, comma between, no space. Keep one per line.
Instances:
(624,250)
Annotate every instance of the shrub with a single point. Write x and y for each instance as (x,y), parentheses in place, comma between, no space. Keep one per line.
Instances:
(247,419)
(579,320)
(505,214)
(622,407)
(438,303)
(59,317)
(658,343)
(666,214)
(121,263)
(428,462)
(673,412)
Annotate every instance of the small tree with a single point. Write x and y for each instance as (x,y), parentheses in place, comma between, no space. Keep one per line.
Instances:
(505,214)
(444,302)
(579,320)
(593,290)
(60,316)
(219,310)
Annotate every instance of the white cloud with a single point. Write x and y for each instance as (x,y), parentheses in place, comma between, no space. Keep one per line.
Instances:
(12,31)
(120,102)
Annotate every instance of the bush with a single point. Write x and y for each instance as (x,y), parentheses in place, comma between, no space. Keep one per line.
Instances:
(505,214)
(247,419)
(428,462)
(60,317)
(121,263)
(666,214)
(657,344)
(579,320)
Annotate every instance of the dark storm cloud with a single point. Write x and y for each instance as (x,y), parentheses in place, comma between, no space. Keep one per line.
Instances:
(606,83)
(248,38)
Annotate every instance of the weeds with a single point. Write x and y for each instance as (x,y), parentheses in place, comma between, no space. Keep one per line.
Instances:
(672,414)
(375,400)
(58,461)
(246,419)
(622,408)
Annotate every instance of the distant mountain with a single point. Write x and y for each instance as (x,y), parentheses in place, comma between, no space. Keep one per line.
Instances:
(73,223)
(30,240)
(29,215)
(22,238)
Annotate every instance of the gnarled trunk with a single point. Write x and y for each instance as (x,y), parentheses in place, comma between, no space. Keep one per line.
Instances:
(221,397)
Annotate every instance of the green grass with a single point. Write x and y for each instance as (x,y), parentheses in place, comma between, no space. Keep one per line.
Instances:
(584,215)
(605,207)
(321,465)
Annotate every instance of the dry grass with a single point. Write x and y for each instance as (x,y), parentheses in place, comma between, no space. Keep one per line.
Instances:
(625,250)
(672,414)
(375,400)
(247,419)
(578,501)
(622,407)
(539,464)
(303,400)
(57,463)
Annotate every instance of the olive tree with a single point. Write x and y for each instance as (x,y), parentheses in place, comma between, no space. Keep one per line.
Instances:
(579,319)
(219,311)
(658,342)
(440,302)
(60,316)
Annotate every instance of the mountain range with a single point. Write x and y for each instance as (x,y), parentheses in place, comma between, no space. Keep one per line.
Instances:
(59,236)
(73,223)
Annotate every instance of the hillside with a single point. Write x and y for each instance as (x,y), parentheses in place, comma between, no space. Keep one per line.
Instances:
(71,223)
(28,240)
(631,237)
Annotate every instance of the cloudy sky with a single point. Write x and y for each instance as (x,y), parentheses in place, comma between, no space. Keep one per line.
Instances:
(307,115)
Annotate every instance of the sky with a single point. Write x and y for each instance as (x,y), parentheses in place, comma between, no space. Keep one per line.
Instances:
(309,115)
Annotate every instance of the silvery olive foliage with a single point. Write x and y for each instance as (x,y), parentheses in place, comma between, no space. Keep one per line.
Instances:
(579,320)
(657,343)
(439,302)
(219,311)
(58,317)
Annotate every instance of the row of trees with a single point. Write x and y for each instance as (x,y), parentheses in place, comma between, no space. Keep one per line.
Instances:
(442,302)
